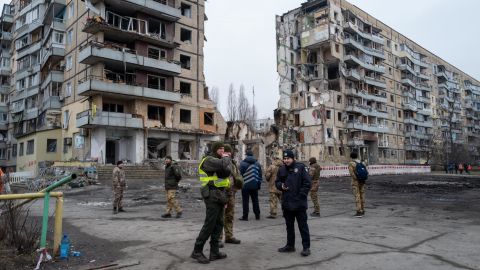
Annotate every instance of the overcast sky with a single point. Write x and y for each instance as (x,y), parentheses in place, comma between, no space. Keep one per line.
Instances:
(241,39)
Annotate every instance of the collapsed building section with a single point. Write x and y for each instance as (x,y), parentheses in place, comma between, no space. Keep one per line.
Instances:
(350,83)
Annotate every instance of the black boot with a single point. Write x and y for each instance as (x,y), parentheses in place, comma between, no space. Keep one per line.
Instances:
(198,255)
(217,256)
(115,210)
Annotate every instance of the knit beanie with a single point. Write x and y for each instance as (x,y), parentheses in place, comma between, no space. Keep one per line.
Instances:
(216,146)
(288,153)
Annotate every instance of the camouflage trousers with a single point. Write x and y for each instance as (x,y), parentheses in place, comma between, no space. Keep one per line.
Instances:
(359,193)
(314,197)
(172,203)
(118,197)
(229,217)
(274,200)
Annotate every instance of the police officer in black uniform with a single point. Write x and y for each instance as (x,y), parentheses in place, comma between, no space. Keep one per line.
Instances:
(294,182)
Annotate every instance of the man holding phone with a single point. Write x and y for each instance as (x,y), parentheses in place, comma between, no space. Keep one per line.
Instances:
(294,182)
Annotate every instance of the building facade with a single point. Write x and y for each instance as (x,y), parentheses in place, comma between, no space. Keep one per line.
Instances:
(349,82)
(105,80)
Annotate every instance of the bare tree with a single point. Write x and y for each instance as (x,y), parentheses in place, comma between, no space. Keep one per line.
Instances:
(214,94)
(243,105)
(232,104)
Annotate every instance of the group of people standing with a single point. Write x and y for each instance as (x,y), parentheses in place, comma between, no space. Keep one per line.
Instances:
(221,177)
(458,168)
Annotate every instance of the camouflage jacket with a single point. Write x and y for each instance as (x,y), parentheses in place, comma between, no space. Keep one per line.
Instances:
(119,177)
(271,175)
(314,172)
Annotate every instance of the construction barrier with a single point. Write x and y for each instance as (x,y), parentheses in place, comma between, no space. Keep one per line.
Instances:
(339,171)
(18,177)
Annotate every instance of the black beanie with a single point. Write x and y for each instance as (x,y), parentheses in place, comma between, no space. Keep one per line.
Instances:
(288,153)
(312,160)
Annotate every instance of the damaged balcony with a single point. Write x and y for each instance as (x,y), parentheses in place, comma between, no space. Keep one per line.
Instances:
(161,9)
(367,96)
(365,49)
(87,119)
(355,142)
(52,76)
(354,59)
(376,81)
(128,29)
(367,127)
(116,55)
(117,84)
(52,103)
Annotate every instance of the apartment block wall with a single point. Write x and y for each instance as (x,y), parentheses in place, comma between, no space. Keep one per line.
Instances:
(409,117)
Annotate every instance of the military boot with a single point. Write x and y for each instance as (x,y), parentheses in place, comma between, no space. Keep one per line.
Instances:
(198,255)
(217,256)
(115,210)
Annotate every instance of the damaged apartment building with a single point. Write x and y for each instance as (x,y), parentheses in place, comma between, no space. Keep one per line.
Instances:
(349,82)
(104,80)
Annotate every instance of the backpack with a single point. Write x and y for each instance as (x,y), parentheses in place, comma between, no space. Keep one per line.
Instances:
(251,177)
(361,172)
(177,172)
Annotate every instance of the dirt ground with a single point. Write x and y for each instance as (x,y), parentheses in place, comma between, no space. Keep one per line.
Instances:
(411,222)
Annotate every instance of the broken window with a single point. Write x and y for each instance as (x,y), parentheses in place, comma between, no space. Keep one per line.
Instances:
(329,114)
(20,149)
(185,35)
(329,133)
(297,120)
(185,88)
(330,150)
(339,99)
(185,116)
(156,82)
(341,150)
(392,98)
(185,61)
(292,59)
(156,53)
(292,74)
(186,10)
(291,42)
(208,119)
(51,145)
(157,28)
(184,149)
(292,88)
(339,116)
(156,113)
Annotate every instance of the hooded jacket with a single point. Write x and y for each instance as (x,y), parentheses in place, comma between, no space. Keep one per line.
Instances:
(252,178)
(297,179)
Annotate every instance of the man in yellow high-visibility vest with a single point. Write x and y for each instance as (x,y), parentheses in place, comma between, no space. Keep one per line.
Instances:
(214,171)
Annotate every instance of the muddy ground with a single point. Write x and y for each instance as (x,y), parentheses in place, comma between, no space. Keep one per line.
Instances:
(411,222)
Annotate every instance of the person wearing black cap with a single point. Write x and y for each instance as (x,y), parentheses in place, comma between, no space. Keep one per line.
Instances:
(294,182)
(119,184)
(214,171)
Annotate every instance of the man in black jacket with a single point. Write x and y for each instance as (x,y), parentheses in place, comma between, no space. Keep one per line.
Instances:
(172,177)
(294,182)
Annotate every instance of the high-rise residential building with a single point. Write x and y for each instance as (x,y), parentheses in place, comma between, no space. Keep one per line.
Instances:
(106,80)
(348,82)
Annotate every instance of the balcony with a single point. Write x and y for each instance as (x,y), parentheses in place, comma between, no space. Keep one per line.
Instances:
(410,106)
(354,27)
(54,6)
(405,67)
(424,99)
(6,36)
(56,52)
(367,127)
(411,121)
(30,113)
(408,81)
(127,31)
(115,55)
(367,96)
(5,70)
(3,126)
(150,7)
(383,144)
(413,147)
(357,108)
(5,89)
(417,134)
(442,74)
(355,142)
(52,103)
(29,49)
(53,76)
(364,49)
(93,85)
(423,76)
(426,124)
(423,87)
(17,107)
(378,82)
(352,74)
(28,28)
(109,119)
(355,59)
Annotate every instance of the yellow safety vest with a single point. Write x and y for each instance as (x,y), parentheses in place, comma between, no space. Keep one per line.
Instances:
(204,178)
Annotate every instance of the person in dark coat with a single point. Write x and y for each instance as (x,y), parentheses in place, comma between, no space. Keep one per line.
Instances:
(251,172)
(172,176)
(295,183)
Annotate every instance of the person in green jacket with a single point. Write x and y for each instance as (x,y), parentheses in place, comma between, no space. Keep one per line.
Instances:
(172,176)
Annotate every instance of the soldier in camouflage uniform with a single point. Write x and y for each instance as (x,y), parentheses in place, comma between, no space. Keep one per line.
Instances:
(119,184)
(314,172)
(236,183)
(358,188)
(275,194)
